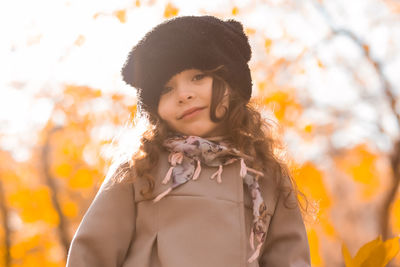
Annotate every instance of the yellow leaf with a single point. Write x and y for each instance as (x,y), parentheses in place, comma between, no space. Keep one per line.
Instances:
(81,92)
(372,254)
(235,11)
(70,209)
(63,170)
(137,3)
(312,237)
(133,111)
(95,16)
(308,128)
(310,181)
(283,104)
(117,97)
(29,201)
(250,31)
(347,257)
(366,250)
(267,44)
(121,15)
(391,249)
(395,210)
(170,11)
(261,86)
(320,64)
(82,179)
(366,48)
(328,228)
(20,249)
(80,40)
(361,164)
(376,258)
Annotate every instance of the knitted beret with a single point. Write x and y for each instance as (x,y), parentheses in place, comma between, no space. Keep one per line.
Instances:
(201,42)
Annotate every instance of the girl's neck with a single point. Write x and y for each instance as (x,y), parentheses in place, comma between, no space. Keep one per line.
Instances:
(216,138)
(210,138)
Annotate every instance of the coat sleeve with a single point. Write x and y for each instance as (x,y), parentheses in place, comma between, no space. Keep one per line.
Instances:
(286,244)
(106,230)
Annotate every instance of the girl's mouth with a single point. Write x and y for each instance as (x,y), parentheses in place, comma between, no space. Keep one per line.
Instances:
(192,114)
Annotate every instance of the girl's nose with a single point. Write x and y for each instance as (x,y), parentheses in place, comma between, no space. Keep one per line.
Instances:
(185,98)
(185,95)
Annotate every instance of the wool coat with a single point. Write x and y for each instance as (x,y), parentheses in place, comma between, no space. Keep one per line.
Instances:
(201,223)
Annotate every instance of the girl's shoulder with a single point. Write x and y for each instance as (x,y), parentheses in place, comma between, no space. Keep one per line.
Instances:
(118,174)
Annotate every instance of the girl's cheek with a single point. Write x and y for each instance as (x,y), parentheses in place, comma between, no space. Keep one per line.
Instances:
(162,108)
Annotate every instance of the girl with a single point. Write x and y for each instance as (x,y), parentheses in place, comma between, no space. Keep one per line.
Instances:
(204,189)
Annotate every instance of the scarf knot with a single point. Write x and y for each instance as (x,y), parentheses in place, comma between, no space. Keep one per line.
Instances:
(187,153)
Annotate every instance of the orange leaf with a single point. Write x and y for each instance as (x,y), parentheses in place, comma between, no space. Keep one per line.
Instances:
(283,105)
(267,44)
(395,210)
(63,170)
(392,247)
(348,261)
(30,201)
(81,92)
(366,48)
(80,40)
(360,164)
(170,11)
(375,253)
(235,11)
(70,209)
(95,16)
(121,15)
(316,259)
(261,86)
(308,128)
(320,64)
(82,179)
(366,250)
(310,181)
(250,31)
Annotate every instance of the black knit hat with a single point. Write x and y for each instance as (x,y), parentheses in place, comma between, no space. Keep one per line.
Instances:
(201,42)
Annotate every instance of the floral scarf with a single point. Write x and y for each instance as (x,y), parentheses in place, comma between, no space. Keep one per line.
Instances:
(187,153)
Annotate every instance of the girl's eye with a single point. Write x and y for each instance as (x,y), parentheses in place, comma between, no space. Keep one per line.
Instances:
(198,77)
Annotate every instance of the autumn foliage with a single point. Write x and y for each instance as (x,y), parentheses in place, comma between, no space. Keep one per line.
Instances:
(354,217)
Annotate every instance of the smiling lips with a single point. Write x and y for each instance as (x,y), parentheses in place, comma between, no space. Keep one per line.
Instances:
(190,111)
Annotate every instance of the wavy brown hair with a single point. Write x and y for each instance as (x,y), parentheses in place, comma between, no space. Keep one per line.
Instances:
(248,131)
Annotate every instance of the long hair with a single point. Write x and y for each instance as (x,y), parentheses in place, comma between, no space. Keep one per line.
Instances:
(248,131)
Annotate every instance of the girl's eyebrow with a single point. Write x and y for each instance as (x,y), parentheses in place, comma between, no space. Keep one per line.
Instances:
(196,73)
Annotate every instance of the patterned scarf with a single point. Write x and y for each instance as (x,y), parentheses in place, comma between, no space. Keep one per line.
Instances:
(186,155)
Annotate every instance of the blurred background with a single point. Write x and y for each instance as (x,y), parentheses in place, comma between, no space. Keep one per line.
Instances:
(327,71)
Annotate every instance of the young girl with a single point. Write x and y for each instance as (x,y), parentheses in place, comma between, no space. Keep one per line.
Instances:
(204,189)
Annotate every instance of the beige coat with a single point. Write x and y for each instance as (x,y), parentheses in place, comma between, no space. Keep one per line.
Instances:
(199,224)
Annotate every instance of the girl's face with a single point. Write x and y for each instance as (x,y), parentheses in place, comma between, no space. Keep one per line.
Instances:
(187,90)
